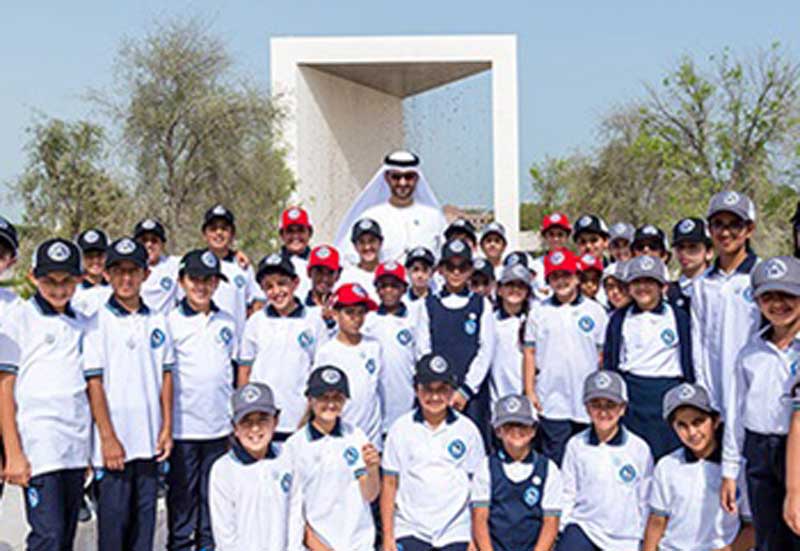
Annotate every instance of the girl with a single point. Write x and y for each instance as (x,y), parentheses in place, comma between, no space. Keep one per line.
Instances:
(615,285)
(335,467)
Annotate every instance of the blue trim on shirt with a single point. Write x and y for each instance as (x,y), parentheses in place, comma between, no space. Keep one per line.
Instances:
(188,311)
(617,440)
(744,268)
(9,368)
(245,458)
(119,310)
(47,309)
(401,311)
(298,312)
(420,418)
(315,434)
(304,255)
(554,300)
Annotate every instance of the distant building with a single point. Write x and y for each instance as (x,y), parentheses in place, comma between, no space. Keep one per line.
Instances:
(479,216)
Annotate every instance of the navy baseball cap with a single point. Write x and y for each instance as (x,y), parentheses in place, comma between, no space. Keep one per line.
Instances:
(150,225)
(325,379)
(218,212)
(691,230)
(275,263)
(460,225)
(124,249)
(456,248)
(93,239)
(589,223)
(420,254)
(433,368)
(57,255)
(8,233)
(365,226)
(201,263)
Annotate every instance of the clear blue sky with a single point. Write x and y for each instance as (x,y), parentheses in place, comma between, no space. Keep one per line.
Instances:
(576,59)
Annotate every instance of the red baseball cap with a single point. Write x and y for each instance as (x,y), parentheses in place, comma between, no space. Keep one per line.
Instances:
(324,256)
(590,262)
(556,219)
(295,216)
(560,260)
(392,269)
(351,294)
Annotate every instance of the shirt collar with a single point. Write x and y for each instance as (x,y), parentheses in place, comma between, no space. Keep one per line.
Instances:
(617,440)
(450,419)
(304,255)
(400,312)
(412,296)
(744,268)
(230,256)
(188,311)
(506,458)
(298,312)
(660,308)
(119,310)
(465,292)
(715,457)
(554,300)
(309,301)
(86,284)
(47,309)
(502,314)
(245,458)
(316,434)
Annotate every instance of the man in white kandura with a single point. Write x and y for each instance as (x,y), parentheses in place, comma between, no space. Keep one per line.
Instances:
(400,199)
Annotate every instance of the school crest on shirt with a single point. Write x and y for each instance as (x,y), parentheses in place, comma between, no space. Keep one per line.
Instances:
(404,337)
(370,366)
(286,482)
(457,448)
(305,339)
(669,337)
(627,473)
(351,456)
(157,338)
(531,496)
(471,324)
(226,335)
(586,323)
(747,293)
(166,283)
(239,281)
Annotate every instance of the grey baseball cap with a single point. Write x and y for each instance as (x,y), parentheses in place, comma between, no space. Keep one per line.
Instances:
(779,273)
(514,408)
(250,398)
(617,270)
(494,228)
(734,202)
(686,394)
(605,384)
(647,266)
(621,230)
(516,272)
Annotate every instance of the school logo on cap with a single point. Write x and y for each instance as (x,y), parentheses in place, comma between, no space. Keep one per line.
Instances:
(273,260)
(588,259)
(125,246)
(209,259)
(687,391)
(149,224)
(404,337)
(293,214)
(586,323)
(649,230)
(555,217)
(531,496)
(585,221)
(438,364)
(91,236)
(33,497)
(512,405)
(602,380)
(3,223)
(370,365)
(776,268)
(323,253)
(391,265)
(239,281)
(365,224)
(219,210)
(58,252)
(250,393)
(627,473)
(305,339)
(359,291)
(470,327)
(166,283)
(647,263)
(731,198)
(619,227)
(668,337)
(157,338)
(457,246)
(419,251)
(226,335)
(557,258)
(480,264)
(351,456)
(512,260)
(457,448)
(686,226)
(331,376)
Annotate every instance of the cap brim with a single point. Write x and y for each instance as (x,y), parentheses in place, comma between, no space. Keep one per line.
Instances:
(435,378)
(736,212)
(273,270)
(516,418)
(368,302)
(777,286)
(668,412)
(254,409)
(41,271)
(606,394)
(202,273)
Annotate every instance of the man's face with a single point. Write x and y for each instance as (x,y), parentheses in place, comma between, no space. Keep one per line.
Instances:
(402,183)
(295,238)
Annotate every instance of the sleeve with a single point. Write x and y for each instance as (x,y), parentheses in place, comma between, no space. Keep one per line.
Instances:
(383,395)
(479,367)
(248,346)
(252,291)
(569,480)
(296,522)
(643,490)
(10,353)
(553,498)
(733,437)
(529,334)
(168,354)
(94,352)
(391,461)
(358,467)
(222,508)
(697,327)
(423,340)
(659,492)
(481,486)
(476,453)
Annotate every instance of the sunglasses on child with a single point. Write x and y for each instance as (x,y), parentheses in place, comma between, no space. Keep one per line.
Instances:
(735,227)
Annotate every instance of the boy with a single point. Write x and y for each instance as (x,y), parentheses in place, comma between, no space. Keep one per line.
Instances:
(459,325)
(279,342)
(606,474)
(129,359)
(652,241)
(552,379)
(692,245)
(159,290)
(555,230)
(205,346)
(482,280)
(419,266)
(649,342)
(44,410)
(590,274)
(367,238)
(323,270)
(93,290)
(591,236)
(516,493)
(620,237)
(493,244)
(462,229)
(395,328)
(8,256)
(757,408)
(295,232)
(254,501)
(239,294)
(360,358)
(431,454)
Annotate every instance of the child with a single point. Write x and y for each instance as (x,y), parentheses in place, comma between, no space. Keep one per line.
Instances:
(482,281)
(459,325)
(652,241)
(516,493)
(295,232)
(280,341)
(395,328)
(615,285)
(419,265)
(93,290)
(323,270)
(336,469)
(367,238)
(44,410)
(493,244)
(757,408)
(159,290)
(512,310)
(606,474)
(431,455)
(590,273)
(8,256)
(591,236)
(685,510)
(692,245)
(462,229)
(129,359)
(359,357)
(649,342)
(620,237)
(238,294)
(253,499)
(205,347)
(555,230)
(562,342)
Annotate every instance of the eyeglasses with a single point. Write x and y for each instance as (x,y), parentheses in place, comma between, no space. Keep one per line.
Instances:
(407,176)
(735,227)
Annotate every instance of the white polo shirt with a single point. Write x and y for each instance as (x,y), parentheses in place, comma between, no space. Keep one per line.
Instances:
(236,294)
(759,398)
(606,486)
(89,298)
(300,263)
(568,339)
(131,352)
(434,467)
(506,370)
(160,290)
(281,351)
(43,349)
(327,469)
(254,505)
(686,490)
(397,335)
(354,274)
(205,347)
(363,364)
(650,343)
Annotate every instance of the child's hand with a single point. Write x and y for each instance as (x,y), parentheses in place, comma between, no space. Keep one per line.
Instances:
(372,459)
(727,495)
(791,511)
(534,399)
(113,453)
(389,545)
(458,401)
(164,445)
(242,260)
(18,470)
